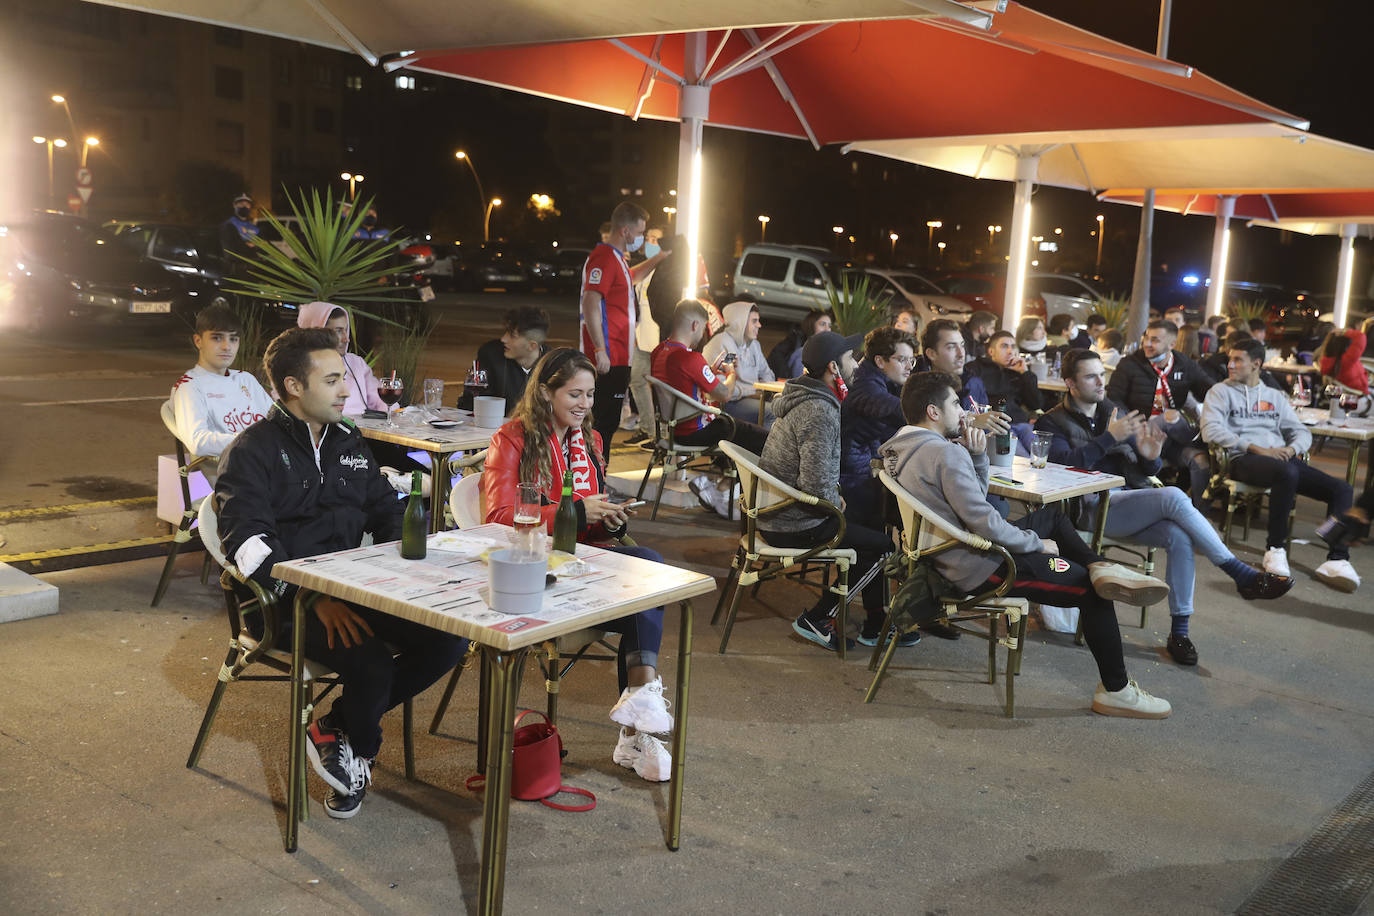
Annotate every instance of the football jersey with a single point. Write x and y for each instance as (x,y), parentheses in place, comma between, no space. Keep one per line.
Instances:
(607,274)
(686,370)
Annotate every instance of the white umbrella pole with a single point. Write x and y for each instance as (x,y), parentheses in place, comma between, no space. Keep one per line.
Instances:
(694,104)
(1345,271)
(1139,315)
(1221,243)
(1027,168)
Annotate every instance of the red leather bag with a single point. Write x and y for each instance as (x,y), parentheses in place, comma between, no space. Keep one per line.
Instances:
(537,766)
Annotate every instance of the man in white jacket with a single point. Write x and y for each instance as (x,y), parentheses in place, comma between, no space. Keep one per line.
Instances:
(739,339)
(213,403)
(1264,440)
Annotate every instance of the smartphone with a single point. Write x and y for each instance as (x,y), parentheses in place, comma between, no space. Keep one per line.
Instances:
(729,358)
(632,504)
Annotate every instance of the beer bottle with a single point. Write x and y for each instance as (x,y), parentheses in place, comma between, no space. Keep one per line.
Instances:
(565,519)
(1002,441)
(413,522)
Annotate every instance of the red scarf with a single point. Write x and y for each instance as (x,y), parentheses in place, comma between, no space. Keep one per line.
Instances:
(1164,395)
(571,453)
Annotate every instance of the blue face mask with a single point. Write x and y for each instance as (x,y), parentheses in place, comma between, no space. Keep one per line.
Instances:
(651,250)
(635,243)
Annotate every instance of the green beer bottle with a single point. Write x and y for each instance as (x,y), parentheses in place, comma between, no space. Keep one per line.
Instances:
(565,519)
(413,522)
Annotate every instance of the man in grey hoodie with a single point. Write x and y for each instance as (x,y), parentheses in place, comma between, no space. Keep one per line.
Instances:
(943,462)
(1264,438)
(803,450)
(738,343)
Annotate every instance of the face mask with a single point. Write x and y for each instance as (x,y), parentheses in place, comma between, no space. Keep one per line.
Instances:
(651,250)
(635,244)
(840,388)
(1159,360)
(243,212)
(369,222)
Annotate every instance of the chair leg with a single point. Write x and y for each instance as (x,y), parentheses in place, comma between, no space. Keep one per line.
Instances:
(208,720)
(731,581)
(443,700)
(662,485)
(408,724)
(1226,523)
(993,620)
(730,619)
(205,569)
(172,550)
(644,481)
(882,670)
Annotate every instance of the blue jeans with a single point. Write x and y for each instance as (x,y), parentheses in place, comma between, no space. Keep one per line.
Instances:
(747,409)
(640,634)
(1165,517)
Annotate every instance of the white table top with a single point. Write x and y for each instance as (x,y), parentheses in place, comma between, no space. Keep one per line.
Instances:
(412,432)
(1278,365)
(1053,384)
(771,387)
(445,590)
(1048,484)
(1319,421)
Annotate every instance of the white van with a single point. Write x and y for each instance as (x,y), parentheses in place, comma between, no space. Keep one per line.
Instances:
(787,281)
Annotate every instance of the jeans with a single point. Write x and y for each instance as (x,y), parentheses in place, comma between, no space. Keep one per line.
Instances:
(1165,517)
(640,634)
(1285,480)
(870,547)
(642,391)
(374,680)
(1063,581)
(609,398)
(746,435)
(747,409)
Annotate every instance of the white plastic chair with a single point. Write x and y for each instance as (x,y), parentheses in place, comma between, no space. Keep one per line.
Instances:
(756,560)
(924,535)
(182,533)
(465,501)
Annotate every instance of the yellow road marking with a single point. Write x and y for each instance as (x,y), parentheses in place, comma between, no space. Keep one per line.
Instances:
(38,511)
(87,548)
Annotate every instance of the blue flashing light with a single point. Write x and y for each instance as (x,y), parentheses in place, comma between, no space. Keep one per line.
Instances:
(1191,280)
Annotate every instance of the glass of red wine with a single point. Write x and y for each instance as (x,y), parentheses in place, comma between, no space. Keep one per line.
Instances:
(476,380)
(389,390)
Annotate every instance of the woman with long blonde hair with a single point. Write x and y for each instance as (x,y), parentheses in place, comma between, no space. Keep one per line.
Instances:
(549,434)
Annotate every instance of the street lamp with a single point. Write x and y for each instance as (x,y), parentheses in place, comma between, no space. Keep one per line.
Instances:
(462,156)
(671,211)
(1100,228)
(892,236)
(941,246)
(763,227)
(50,143)
(851,246)
(86,148)
(839,231)
(992,231)
(352,179)
(931,226)
(486,218)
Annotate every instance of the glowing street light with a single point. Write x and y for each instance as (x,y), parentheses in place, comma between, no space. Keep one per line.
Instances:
(839,231)
(763,227)
(462,156)
(50,143)
(86,148)
(892,237)
(671,211)
(931,226)
(992,232)
(486,218)
(1100,232)
(353,180)
(941,246)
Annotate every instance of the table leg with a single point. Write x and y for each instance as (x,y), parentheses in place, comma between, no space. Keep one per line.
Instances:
(1352,466)
(763,400)
(684,683)
(504,674)
(439,481)
(483,713)
(1100,529)
(295,783)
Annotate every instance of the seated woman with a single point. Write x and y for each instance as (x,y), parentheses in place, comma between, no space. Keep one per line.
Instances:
(549,433)
(1340,356)
(785,357)
(1031,336)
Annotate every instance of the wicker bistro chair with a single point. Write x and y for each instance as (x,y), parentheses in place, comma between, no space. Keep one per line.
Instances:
(557,656)
(672,407)
(1240,495)
(182,533)
(924,535)
(756,561)
(242,597)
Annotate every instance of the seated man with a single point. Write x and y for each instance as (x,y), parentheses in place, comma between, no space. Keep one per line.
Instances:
(803,451)
(871,414)
(1063,333)
(300,483)
(1094,327)
(1176,316)
(676,362)
(211,402)
(508,361)
(1264,438)
(943,462)
(978,330)
(738,342)
(1155,381)
(1091,432)
(1107,345)
(1009,382)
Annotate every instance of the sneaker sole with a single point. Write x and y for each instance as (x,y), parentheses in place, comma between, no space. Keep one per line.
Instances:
(812,637)
(320,771)
(1121,712)
(1139,595)
(632,762)
(343,815)
(1339,583)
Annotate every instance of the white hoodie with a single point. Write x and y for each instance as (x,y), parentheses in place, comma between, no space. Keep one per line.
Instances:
(212,408)
(752,365)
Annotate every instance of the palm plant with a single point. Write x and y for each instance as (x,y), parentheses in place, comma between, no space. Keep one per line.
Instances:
(856,309)
(1116,310)
(1248,309)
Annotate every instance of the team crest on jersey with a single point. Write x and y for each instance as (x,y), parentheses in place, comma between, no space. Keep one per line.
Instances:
(595,276)
(1059,565)
(707,374)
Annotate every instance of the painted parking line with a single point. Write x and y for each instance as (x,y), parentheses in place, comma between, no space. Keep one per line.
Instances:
(40,511)
(146,397)
(61,552)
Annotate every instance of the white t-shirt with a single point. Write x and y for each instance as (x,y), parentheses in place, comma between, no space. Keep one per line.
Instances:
(212,408)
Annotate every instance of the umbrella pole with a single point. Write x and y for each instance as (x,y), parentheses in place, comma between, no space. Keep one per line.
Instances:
(1221,242)
(1027,169)
(1345,269)
(694,101)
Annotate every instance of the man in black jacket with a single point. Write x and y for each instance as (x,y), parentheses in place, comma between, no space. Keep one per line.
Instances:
(1155,382)
(302,482)
(1008,380)
(508,361)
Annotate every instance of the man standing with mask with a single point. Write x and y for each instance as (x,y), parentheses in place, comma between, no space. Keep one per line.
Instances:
(237,235)
(370,230)
(609,309)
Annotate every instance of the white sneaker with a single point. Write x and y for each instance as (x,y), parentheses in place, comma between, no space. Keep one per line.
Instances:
(644,754)
(644,709)
(1276,561)
(1338,574)
(1119,583)
(1130,702)
(704,488)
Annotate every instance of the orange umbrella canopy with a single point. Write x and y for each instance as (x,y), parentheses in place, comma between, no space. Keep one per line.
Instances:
(1356,206)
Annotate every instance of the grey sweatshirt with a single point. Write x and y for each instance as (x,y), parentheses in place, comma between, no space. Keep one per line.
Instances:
(752,366)
(803,449)
(1236,417)
(954,485)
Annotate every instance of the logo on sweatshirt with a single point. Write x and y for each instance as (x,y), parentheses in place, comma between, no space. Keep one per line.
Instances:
(354,462)
(1059,565)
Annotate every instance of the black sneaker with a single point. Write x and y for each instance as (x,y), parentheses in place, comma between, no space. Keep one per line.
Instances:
(905,640)
(1266,585)
(345,805)
(1181,650)
(638,437)
(330,755)
(822,634)
(942,630)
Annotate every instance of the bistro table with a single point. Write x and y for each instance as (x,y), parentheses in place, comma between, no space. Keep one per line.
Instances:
(1054,483)
(1357,430)
(1053,384)
(766,390)
(446,591)
(439,443)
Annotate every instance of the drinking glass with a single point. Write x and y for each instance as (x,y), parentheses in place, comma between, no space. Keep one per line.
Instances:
(1040,449)
(434,396)
(476,380)
(529,543)
(389,390)
(1300,397)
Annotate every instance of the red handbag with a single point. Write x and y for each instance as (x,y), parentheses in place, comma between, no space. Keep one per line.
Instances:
(537,766)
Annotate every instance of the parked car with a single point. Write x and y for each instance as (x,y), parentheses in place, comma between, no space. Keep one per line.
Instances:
(786,281)
(1048,295)
(568,263)
(57,267)
(191,255)
(983,291)
(908,289)
(496,265)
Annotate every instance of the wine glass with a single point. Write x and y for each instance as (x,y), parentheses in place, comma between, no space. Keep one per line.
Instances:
(476,380)
(389,390)
(529,522)
(1300,397)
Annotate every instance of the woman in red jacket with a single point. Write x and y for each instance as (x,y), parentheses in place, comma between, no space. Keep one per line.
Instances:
(549,433)
(1341,356)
